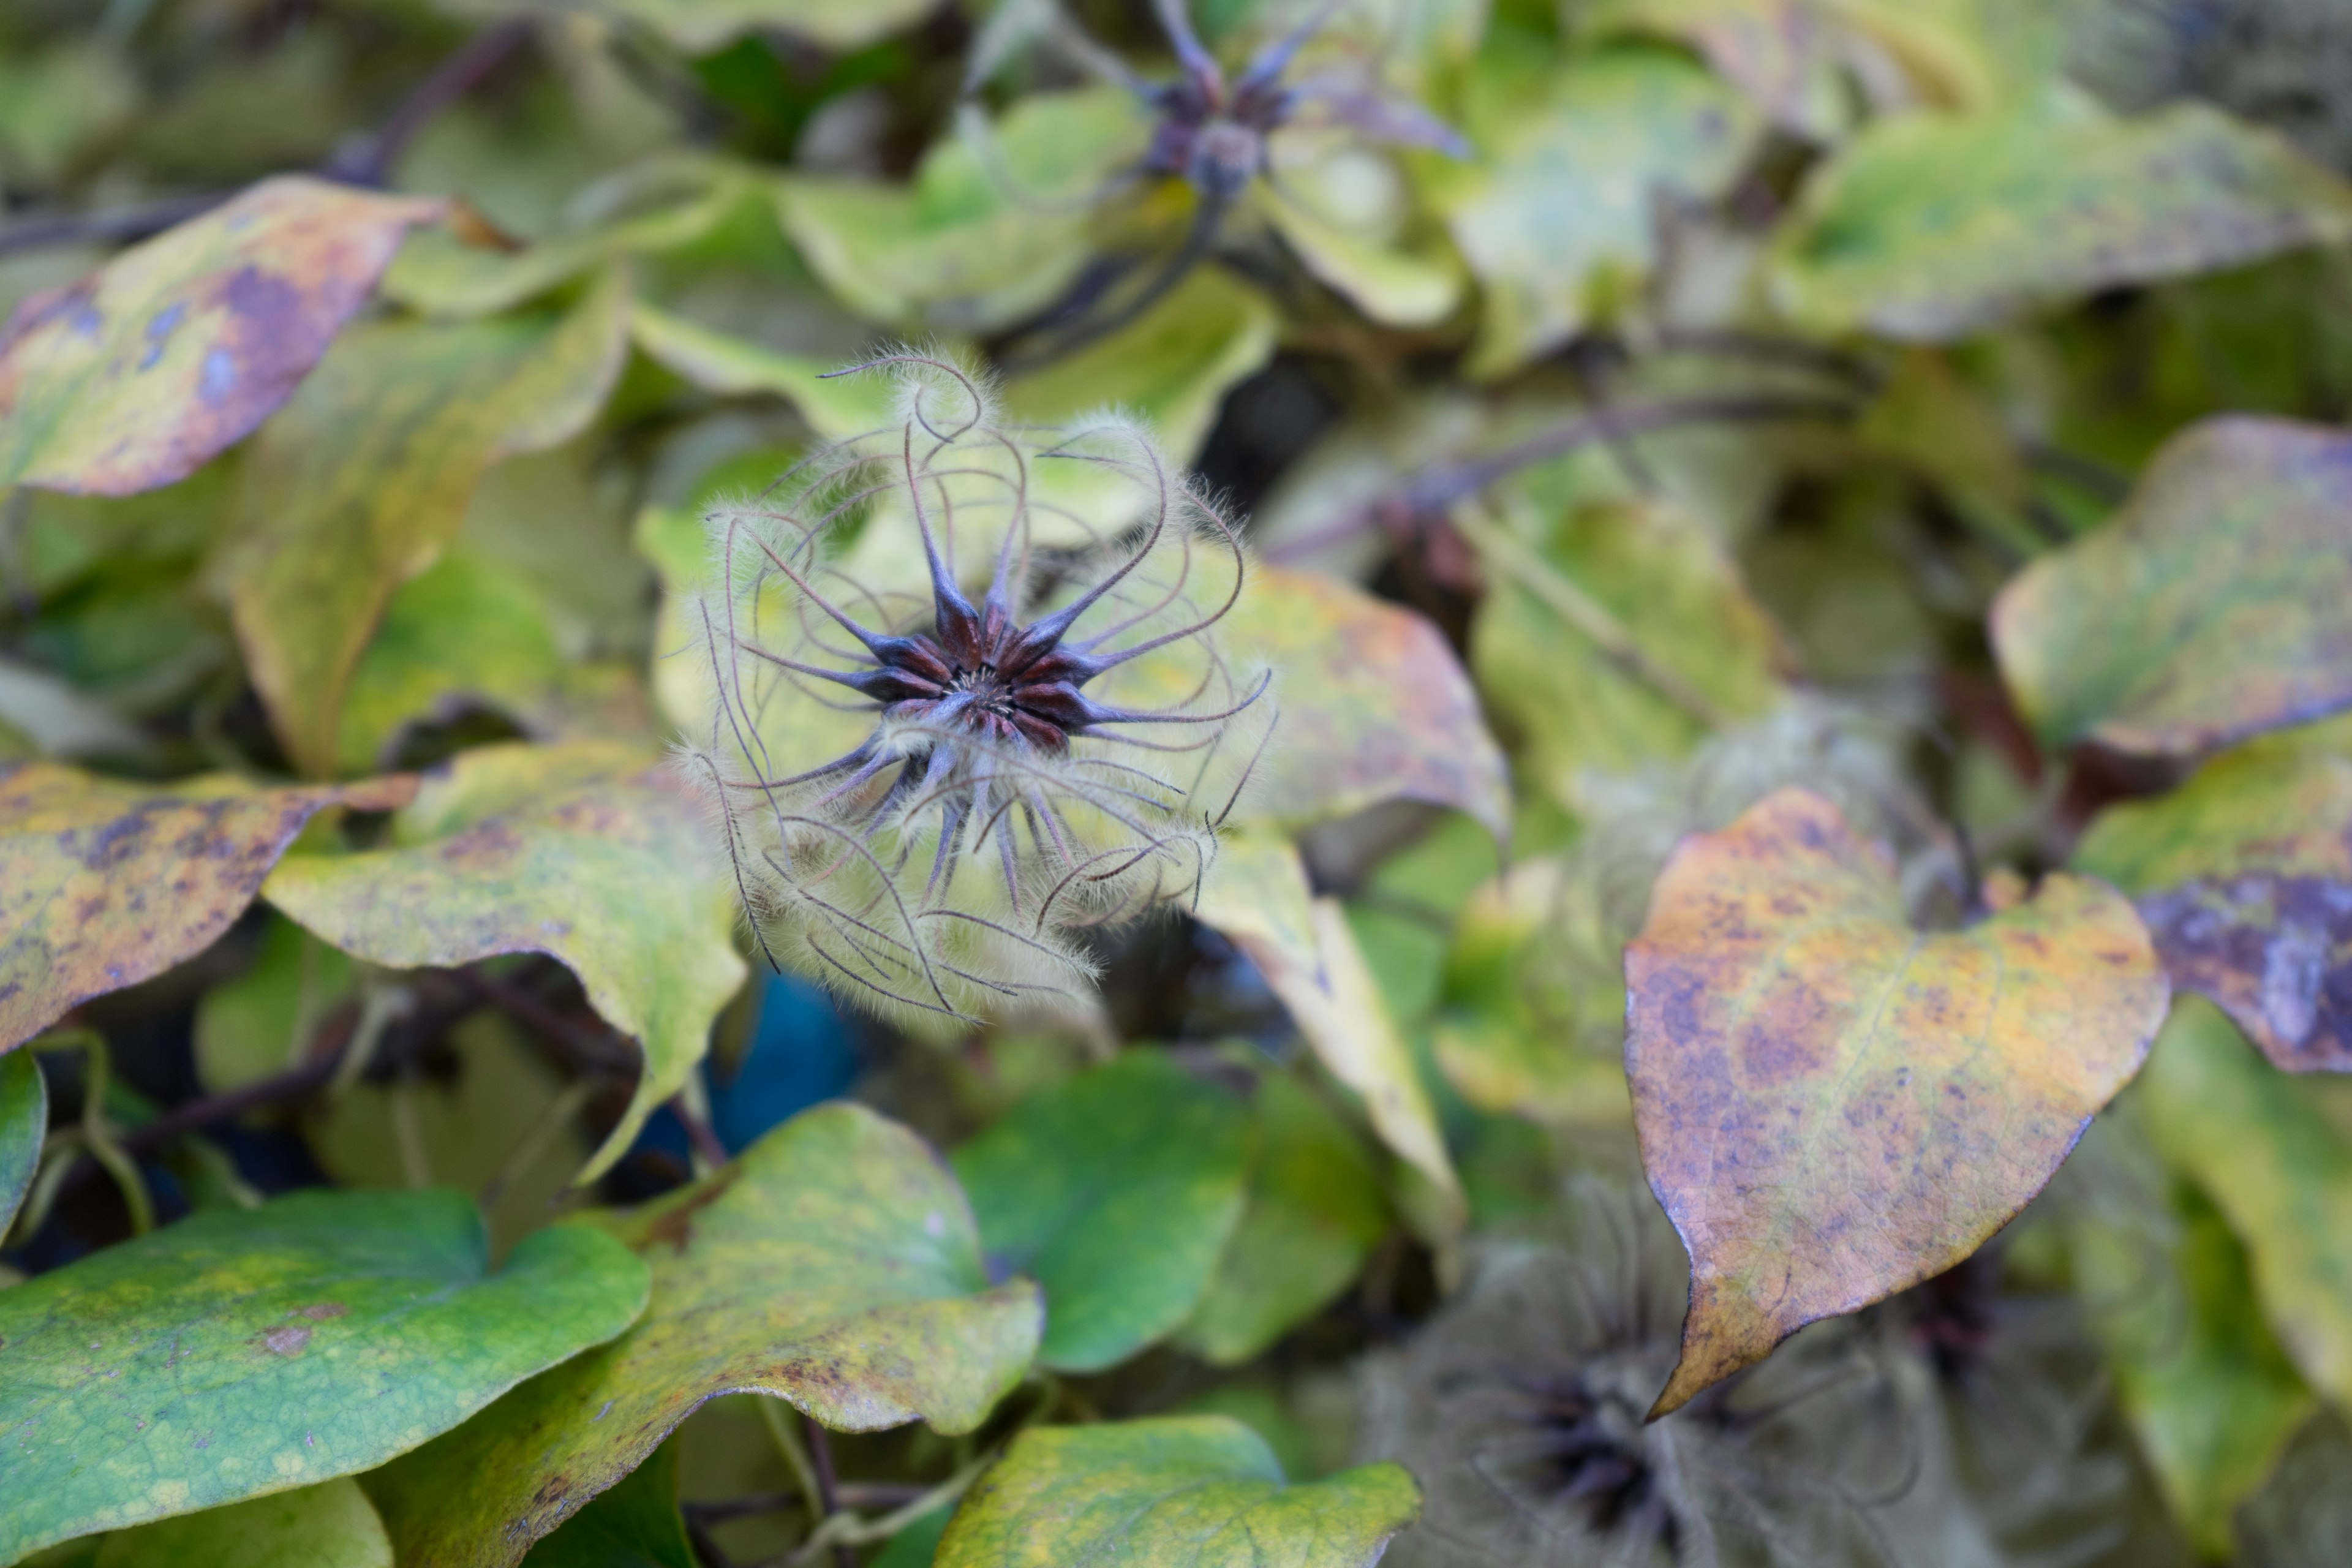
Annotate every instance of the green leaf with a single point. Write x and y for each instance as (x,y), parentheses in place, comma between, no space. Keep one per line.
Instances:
(2211,609)
(363,480)
(331,1525)
(1375,707)
(2210,1394)
(983,239)
(1614,637)
(1558,220)
(699,26)
(1314,1213)
(2303,1516)
(24,1123)
(634,1524)
(2244,877)
(1833,1106)
(105,884)
(1192,1491)
(1398,280)
(1930,228)
(589,852)
(137,375)
(833,1264)
(1117,1192)
(241,1352)
(1173,365)
(918,1546)
(1257,895)
(256,1023)
(836,409)
(2268,1155)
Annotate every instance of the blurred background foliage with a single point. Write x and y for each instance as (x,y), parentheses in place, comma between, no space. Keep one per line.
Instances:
(1699,370)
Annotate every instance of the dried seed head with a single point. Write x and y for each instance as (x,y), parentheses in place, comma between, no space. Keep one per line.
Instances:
(967,699)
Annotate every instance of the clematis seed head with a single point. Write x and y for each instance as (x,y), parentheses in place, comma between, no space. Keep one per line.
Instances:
(968,703)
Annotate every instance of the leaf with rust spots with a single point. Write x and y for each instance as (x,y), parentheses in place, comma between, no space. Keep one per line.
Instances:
(2244,877)
(1374,706)
(24,1123)
(104,884)
(590,852)
(137,375)
(834,1265)
(165,1374)
(363,481)
(1833,1106)
(1257,895)
(331,1525)
(1930,228)
(1117,1191)
(2265,1151)
(1184,1492)
(2211,609)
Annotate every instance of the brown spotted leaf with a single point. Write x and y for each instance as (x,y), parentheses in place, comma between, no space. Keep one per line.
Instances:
(363,481)
(1374,706)
(2213,607)
(2244,877)
(587,851)
(1833,1106)
(834,1264)
(103,883)
(138,375)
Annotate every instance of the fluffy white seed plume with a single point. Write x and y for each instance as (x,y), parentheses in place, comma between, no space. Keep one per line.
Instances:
(967,701)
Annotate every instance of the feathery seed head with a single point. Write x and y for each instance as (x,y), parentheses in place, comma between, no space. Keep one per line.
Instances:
(967,699)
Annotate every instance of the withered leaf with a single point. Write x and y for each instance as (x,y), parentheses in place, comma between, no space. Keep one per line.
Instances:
(1833,1106)
(103,883)
(2211,609)
(2244,877)
(833,1264)
(139,374)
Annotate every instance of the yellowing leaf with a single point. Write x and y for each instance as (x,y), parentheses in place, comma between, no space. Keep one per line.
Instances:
(1257,895)
(1559,222)
(241,1352)
(1833,1106)
(104,884)
(2274,1164)
(331,1525)
(1186,1491)
(2211,609)
(589,852)
(1930,228)
(833,1264)
(363,480)
(2244,877)
(139,374)
(1374,706)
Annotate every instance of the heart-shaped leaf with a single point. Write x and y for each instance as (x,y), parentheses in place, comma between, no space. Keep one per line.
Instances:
(104,884)
(363,480)
(2244,877)
(834,1265)
(1185,1491)
(244,1352)
(1833,1106)
(1932,227)
(2211,608)
(137,375)
(24,1123)
(331,1525)
(589,852)
(1117,1192)
(2277,1166)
